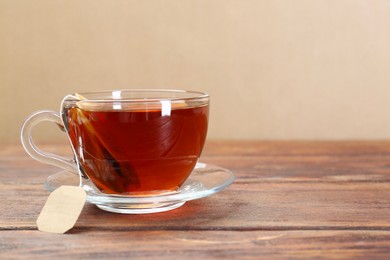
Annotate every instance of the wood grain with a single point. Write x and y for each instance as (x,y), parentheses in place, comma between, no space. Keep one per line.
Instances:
(290,200)
(246,205)
(196,244)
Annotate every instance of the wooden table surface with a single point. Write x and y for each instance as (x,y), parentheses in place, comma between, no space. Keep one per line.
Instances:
(290,200)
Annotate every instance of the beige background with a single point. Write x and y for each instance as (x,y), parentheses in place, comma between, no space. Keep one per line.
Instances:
(275,69)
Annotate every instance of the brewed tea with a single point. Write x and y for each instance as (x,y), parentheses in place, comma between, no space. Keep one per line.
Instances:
(135,151)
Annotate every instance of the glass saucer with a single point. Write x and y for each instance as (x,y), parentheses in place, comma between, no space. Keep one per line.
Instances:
(205,180)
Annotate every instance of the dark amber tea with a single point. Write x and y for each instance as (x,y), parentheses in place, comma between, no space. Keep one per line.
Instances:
(136,150)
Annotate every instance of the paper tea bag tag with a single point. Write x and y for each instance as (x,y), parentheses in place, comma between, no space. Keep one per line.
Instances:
(62,209)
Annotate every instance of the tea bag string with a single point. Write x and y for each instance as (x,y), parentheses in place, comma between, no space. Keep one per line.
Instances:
(75,96)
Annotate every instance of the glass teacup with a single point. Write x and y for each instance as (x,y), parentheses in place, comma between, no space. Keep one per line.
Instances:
(128,143)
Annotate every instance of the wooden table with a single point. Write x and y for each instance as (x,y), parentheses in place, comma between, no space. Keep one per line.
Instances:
(290,199)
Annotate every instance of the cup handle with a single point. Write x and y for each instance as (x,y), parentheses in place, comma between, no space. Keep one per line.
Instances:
(34,151)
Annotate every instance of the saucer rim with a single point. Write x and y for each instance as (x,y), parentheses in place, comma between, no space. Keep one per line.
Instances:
(95,197)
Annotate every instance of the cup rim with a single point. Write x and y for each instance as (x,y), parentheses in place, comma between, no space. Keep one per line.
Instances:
(116,95)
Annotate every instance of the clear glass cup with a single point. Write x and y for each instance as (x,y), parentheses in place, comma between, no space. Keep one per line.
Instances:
(133,149)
